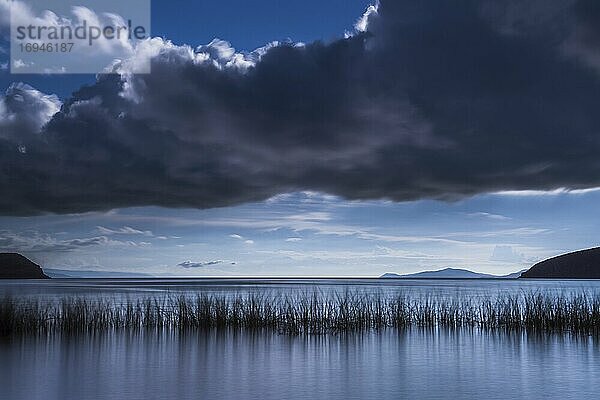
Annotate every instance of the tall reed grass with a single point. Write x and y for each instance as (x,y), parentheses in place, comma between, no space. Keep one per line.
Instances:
(310,313)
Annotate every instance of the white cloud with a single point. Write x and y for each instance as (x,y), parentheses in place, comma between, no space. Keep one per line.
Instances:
(314,216)
(293,239)
(363,22)
(104,51)
(33,241)
(516,232)
(487,215)
(319,223)
(555,192)
(126,230)
(25,110)
(240,237)
(218,52)
(23,14)
(18,63)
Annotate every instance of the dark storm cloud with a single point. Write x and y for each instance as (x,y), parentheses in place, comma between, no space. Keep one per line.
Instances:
(436,99)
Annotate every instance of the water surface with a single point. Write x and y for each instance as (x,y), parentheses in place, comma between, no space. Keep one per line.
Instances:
(415,363)
(140,288)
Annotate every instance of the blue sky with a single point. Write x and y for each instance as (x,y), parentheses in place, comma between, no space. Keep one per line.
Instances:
(315,234)
(298,232)
(246,25)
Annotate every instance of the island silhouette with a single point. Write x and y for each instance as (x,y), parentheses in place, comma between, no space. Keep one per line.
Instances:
(17,266)
(582,264)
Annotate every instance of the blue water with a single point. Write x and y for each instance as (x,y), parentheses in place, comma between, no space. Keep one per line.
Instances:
(139,288)
(391,364)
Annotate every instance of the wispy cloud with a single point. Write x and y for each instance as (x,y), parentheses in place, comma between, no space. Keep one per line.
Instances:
(554,192)
(240,237)
(192,264)
(487,215)
(38,242)
(319,223)
(126,230)
(512,232)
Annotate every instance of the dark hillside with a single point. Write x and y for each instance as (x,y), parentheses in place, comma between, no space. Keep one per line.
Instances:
(16,266)
(583,264)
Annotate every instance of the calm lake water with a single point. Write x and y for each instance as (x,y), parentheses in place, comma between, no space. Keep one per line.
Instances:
(391,364)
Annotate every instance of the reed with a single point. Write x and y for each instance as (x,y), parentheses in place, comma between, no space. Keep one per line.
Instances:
(308,313)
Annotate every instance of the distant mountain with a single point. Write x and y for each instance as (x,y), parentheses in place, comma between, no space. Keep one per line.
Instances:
(451,273)
(66,273)
(583,264)
(514,275)
(16,266)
